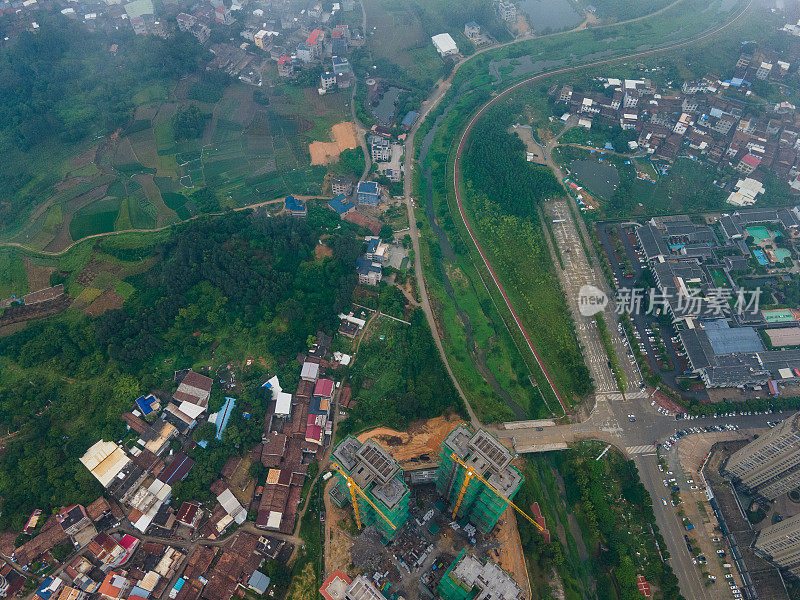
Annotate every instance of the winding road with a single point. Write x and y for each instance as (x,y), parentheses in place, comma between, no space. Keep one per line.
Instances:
(608,420)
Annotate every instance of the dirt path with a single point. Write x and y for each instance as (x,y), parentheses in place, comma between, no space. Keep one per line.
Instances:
(422,439)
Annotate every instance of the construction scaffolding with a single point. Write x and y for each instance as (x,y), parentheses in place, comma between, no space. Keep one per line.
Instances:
(371,480)
(467,578)
(475,477)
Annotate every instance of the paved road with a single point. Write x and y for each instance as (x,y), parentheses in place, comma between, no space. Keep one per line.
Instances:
(465,135)
(578,272)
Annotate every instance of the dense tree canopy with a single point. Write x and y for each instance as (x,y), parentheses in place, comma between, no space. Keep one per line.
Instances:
(496,165)
(247,280)
(188,123)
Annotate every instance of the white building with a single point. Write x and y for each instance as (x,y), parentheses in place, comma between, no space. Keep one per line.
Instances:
(327,81)
(444,44)
(745,191)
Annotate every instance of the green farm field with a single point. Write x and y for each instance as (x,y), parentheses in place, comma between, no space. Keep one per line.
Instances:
(143,178)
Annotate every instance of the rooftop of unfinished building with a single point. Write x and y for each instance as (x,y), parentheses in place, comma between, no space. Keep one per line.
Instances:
(366,462)
(391,492)
(491,581)
(486,455)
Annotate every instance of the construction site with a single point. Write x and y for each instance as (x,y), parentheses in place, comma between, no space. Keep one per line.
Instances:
(443,529)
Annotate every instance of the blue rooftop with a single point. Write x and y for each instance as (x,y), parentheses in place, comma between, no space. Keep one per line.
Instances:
(409,119)
(372,244)
(293,204)
(44,591)
(224,415)
(146,403)
(340,204)
(727,340)
(368,187)
(259,582)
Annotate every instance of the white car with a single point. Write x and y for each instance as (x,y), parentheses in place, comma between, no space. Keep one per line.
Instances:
(664,501)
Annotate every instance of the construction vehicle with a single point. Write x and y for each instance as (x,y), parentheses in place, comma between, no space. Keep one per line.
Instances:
(465,484)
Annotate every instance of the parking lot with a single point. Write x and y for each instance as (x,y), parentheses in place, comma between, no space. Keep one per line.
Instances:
(656,339)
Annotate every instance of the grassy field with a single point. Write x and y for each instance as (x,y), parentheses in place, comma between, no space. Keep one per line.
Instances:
(482,350)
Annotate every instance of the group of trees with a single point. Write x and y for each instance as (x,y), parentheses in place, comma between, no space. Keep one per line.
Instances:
(399,378)
(188,123)
(247,281)
(496,165)
(616,509)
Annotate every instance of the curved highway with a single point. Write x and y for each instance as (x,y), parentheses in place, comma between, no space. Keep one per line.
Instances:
(511,89)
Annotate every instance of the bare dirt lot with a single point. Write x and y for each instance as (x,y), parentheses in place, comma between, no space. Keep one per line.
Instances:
(511,558)
(422,438)
(38,275)
(322,251)
(337,541)
(108,300)
(344,138)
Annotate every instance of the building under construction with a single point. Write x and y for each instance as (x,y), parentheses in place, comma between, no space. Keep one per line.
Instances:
(475,476)
(470,579)
(372,480)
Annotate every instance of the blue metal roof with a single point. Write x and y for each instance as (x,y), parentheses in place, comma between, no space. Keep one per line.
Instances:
(340,204)
(368,187)
(145,403)
(726,340)
(293,204)
(224,415)
(409,119)
(259,582)
(43,591)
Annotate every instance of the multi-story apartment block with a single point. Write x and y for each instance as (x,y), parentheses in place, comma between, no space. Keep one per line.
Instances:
(769,465)
(780,544)
(467,495)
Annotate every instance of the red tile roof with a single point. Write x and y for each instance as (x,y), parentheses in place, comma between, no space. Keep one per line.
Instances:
(324,387)
(314,36)
(751,160)
(134,422)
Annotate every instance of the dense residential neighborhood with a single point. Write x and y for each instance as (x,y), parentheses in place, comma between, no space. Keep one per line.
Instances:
(708,120)
(400,300)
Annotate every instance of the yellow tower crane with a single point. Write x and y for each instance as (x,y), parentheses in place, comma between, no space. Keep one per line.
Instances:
(469,475)
(355,490)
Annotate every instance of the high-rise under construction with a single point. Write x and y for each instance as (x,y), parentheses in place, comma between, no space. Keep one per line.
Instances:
(378,475)
(475,476)
(467,578)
